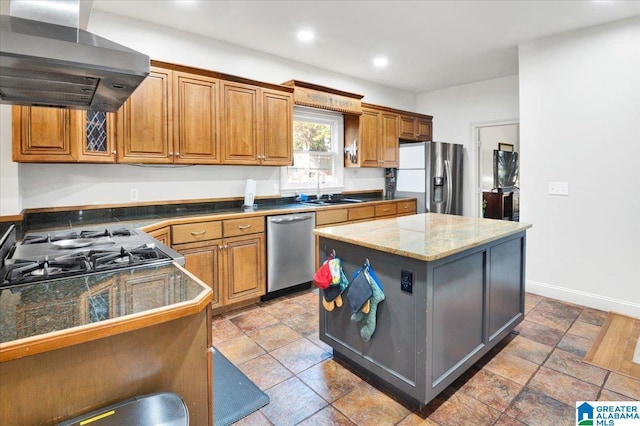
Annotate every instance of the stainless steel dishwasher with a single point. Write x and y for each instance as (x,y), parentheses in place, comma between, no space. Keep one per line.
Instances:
(290,250)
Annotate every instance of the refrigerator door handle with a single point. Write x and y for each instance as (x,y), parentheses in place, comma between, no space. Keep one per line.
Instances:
(447,172)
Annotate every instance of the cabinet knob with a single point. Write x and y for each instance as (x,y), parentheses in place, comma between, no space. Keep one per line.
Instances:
(113,152)
(197,233)
(177,154)
(170,153)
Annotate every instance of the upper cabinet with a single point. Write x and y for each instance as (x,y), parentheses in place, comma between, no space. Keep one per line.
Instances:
(375,137)
(257,125)
(196,119)
(415,127)
(372,139)
(46,135)
(177,115)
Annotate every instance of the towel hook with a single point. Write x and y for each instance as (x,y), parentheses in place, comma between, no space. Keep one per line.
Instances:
(366,263)
(333,253)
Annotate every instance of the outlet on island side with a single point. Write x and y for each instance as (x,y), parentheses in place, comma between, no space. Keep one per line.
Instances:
(406,281)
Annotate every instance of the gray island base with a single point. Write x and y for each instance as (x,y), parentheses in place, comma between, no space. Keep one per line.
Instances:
(454,288)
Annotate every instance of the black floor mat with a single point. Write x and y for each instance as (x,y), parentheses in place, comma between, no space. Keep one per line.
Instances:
(234,395)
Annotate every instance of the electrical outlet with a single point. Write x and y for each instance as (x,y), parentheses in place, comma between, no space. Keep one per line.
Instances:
(558,188)
(406,281)
(133,194)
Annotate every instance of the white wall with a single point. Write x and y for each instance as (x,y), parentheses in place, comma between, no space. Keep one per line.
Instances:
(46,185)
(580,123)
(458,109)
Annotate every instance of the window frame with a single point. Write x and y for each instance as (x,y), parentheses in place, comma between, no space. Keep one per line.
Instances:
(336,121)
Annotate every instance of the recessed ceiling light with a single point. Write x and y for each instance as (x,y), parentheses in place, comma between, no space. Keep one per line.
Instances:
(380,61)
(305,35)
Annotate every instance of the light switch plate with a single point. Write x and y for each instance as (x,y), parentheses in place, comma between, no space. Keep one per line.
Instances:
(558,188)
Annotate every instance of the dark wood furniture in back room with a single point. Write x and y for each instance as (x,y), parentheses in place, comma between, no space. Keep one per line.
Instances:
(501,205)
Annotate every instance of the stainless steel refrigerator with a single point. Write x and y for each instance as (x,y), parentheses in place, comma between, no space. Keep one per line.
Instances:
(432,173)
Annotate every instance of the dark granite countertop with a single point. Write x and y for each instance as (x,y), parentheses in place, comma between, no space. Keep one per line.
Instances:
(97,303)
(141,216)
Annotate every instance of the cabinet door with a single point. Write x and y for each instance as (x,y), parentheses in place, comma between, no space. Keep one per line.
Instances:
(277,128)
(389,140)
(407,126)
(96,132)
(197,127)
(239,124)
(369,138)
(163,235)
(203,262)
(424,129)
(43,135)
(144,121)
(244,268)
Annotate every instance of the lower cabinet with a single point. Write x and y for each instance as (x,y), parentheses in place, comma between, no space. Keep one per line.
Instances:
(234,267)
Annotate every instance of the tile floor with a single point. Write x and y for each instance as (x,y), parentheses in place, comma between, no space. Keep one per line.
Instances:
(531,378)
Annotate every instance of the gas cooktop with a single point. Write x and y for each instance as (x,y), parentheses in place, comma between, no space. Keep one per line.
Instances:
(48,256)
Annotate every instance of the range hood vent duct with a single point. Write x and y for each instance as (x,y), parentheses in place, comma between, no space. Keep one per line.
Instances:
(47,60)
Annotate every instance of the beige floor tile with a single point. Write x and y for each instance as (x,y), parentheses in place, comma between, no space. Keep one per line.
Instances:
(528,349)
(561,387)
(366,405)
(224,329)
(299,355)
(512,367)
(254,320)
(568,363)
(240,349)
(584,329)
(623,385)
(327,416)
(291,402)
(461,410)
(491,389)
(274,336)
(265,371)
(330,380)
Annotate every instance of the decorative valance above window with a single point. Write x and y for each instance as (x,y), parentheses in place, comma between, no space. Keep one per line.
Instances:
(315,96)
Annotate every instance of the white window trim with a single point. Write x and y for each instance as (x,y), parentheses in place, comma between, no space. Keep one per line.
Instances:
(336,121)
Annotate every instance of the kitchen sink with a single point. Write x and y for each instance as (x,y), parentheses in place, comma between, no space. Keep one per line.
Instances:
(333,201)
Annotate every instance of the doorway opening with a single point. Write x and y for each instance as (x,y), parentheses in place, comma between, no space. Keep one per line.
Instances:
(497,179)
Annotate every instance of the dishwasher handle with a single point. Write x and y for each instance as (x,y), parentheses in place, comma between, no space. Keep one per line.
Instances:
(289,219)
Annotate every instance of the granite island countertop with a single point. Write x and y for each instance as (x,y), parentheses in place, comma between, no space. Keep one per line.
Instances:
(48,315)
(427,236)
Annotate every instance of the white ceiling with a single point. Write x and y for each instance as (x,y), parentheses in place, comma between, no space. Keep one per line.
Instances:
(430,44)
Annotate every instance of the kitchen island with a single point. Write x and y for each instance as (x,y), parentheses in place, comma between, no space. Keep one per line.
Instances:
(73,345)
(453,286)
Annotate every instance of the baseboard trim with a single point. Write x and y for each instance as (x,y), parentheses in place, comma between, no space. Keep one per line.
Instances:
(590,300)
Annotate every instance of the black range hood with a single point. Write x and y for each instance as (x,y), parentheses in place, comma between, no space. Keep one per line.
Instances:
(57,65)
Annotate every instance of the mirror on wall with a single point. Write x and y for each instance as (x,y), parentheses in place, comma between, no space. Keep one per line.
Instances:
(499,171)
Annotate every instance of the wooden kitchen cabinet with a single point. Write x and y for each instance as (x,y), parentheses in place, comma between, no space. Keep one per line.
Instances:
(227,255)
(277,128)
(44,135)
(162,234)
(240,123)
(144,128)
(376,133)
(257,125)
(415,127)
(196,119)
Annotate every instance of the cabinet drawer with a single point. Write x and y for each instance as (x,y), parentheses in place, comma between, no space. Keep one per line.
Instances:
(406,207)
(331,216)
(364,212)
(234,227)
(386,209)
(192,232)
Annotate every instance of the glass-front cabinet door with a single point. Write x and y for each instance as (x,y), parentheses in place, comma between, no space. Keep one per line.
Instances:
(96,131)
